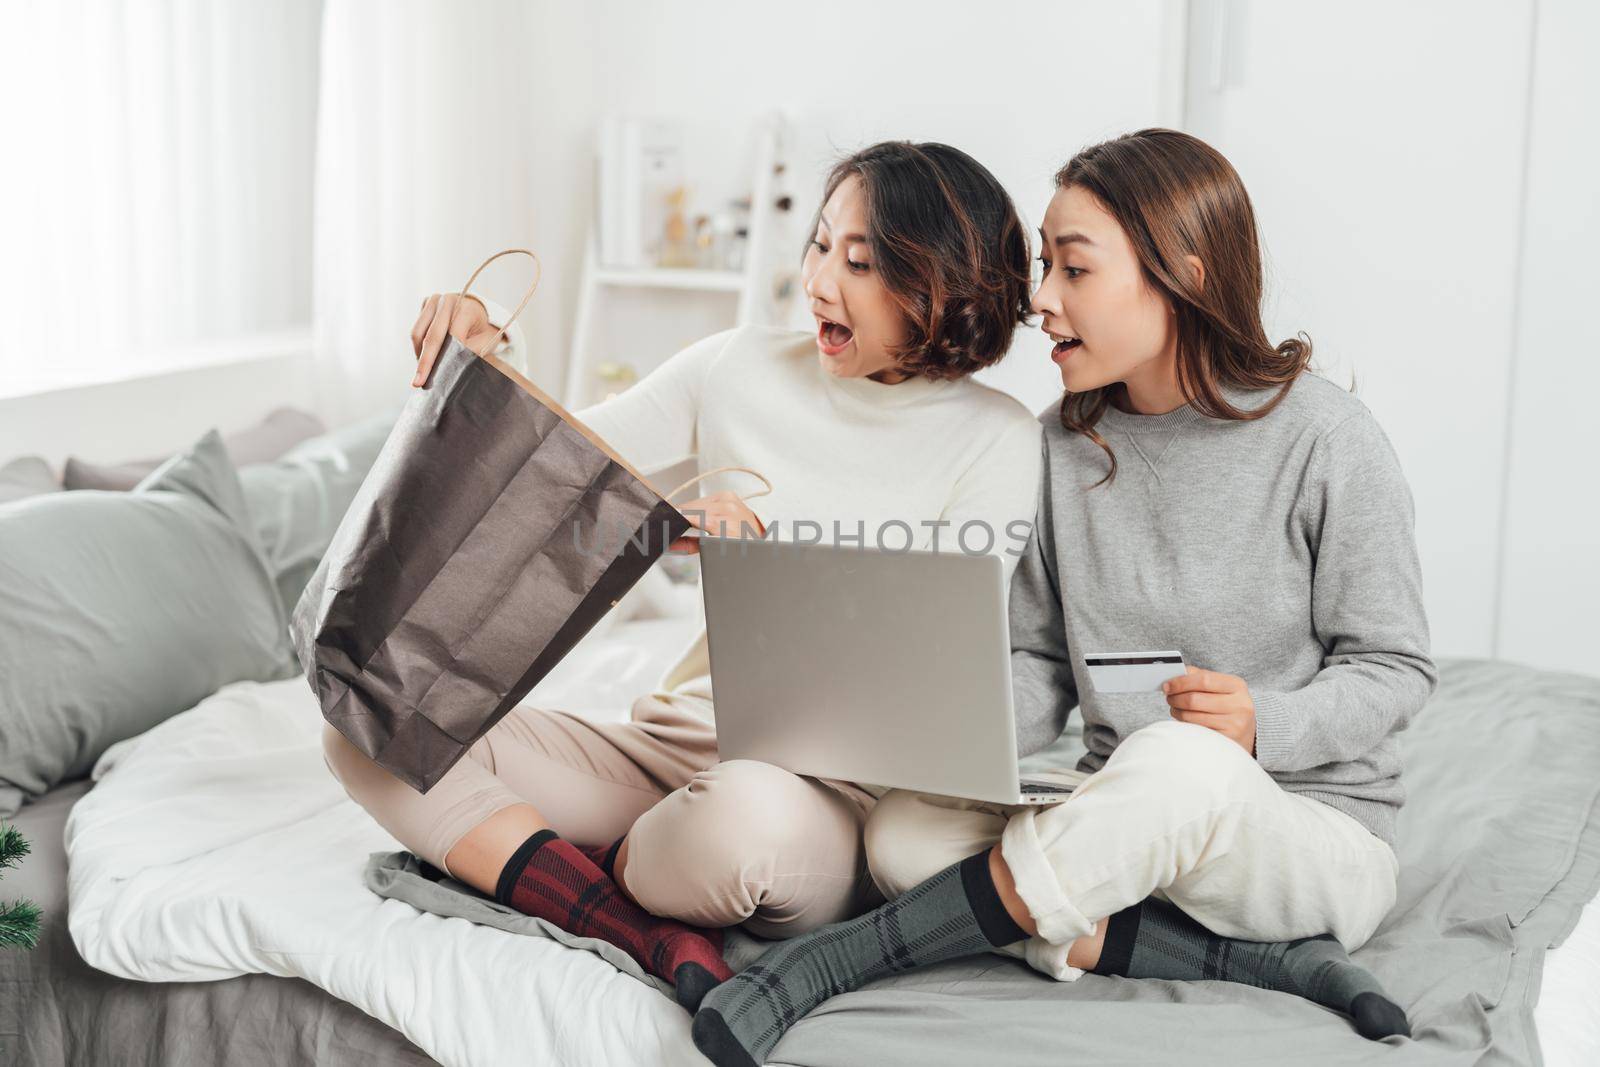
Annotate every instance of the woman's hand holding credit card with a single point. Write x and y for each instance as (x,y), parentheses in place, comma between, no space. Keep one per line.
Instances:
(1217,701)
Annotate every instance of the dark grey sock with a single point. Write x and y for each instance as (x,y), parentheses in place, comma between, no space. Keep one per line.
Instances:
(1154,939)
(957,912)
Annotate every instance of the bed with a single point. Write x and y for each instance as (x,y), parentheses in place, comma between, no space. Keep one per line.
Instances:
(216,850)
(55,1009)
(211,896)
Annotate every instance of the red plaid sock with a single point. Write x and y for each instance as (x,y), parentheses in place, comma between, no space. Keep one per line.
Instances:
(604,856)
(553,880)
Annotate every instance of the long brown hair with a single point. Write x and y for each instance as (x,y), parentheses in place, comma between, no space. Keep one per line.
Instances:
(1176,196)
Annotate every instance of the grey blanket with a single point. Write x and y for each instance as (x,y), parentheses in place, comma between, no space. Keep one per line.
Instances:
(1499,850)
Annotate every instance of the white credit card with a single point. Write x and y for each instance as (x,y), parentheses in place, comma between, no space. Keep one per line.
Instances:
(1133,672)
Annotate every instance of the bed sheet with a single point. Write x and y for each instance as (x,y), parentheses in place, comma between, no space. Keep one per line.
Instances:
(218,844)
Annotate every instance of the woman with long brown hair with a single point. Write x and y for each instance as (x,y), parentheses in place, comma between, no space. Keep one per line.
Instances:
(1202,491)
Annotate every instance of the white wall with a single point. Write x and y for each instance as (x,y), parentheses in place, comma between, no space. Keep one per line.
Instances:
(1382,145)
(1426,196)
(1550,570)
(846,75)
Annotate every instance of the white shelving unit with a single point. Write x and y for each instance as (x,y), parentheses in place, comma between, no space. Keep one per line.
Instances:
(753,285)
(671,278)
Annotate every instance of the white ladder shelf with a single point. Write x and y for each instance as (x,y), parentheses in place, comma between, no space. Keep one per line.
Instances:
(753,284)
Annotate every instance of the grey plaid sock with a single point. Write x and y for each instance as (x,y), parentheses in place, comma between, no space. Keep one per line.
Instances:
(955,913)
(1154,939)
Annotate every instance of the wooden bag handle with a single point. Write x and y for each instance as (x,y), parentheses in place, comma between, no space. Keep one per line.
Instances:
(538,274)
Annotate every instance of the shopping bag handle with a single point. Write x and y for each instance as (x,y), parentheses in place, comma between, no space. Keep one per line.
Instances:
(719,470)
(538,274)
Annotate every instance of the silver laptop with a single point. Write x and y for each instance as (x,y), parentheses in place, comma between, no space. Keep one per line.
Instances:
(867,665)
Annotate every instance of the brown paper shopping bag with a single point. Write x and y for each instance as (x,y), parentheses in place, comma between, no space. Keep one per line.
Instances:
(493,531)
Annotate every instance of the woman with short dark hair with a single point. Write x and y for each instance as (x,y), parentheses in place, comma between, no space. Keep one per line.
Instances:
(917,274)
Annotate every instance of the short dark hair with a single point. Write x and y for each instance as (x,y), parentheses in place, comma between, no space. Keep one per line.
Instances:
(950,248)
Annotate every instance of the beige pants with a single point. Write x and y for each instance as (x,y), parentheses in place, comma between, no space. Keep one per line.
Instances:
(1178,811)
(710,843)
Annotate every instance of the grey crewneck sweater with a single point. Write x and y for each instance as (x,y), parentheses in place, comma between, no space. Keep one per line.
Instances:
(1280,550)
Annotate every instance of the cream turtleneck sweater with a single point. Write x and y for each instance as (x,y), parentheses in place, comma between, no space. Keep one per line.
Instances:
(847,451)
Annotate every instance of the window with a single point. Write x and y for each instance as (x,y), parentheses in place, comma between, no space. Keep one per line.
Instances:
(156,197)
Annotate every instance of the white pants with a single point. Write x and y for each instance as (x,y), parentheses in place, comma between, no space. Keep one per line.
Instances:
(1178,811)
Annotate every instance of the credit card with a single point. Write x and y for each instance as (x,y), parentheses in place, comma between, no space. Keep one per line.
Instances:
(1133,672)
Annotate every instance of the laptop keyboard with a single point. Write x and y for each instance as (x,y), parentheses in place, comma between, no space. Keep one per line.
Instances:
(1037,788)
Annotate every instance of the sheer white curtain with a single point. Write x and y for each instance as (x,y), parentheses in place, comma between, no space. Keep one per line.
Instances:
(155,200)
(424,159)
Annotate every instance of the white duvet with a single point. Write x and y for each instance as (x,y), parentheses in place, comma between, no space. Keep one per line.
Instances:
(218,844)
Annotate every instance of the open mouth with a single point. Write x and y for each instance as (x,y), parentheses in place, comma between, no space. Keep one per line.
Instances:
(1063,346)
(832,337)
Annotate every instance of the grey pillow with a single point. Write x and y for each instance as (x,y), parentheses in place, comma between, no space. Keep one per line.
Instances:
(122,609)
(26,476)
(297,500)
(280,430)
